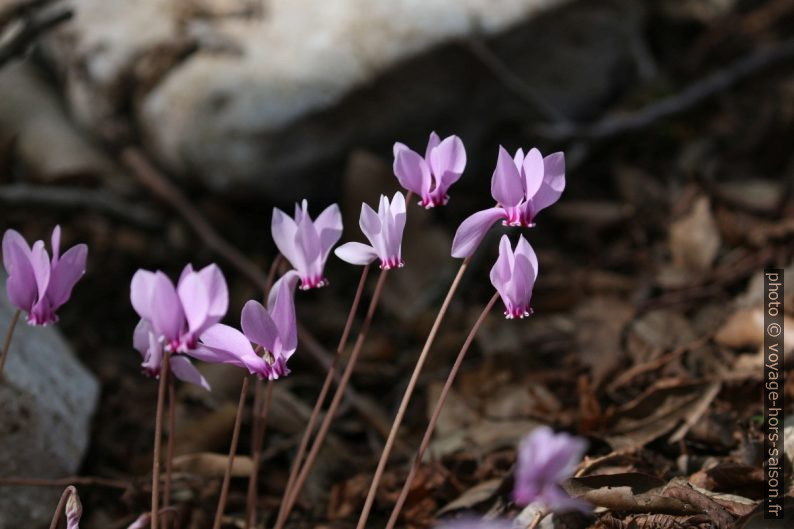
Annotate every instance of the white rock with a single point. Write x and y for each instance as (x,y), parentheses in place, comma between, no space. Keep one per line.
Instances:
(261,100)
(48,399)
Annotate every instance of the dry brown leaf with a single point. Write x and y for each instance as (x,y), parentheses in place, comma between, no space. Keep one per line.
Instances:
(476,495)
(599,327)
(655,413)
(212,465)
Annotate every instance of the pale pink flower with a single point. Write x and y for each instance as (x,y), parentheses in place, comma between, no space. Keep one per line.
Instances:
(384,230)
(545,459)
(274,328)
(522,186)
(37,284)
(184,320)
(430,176)
(306,243)
(513,275)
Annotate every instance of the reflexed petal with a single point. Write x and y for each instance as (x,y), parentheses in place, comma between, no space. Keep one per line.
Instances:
(472,230)
(372,227)
(448,160)
(533,172)
(283,314)
(167,315)
(142,293)
(518,159)
(229,346)
(285,231)
(356,253)
(432,143)
(140,336)
(40,261)
(195,301)
(308,242)
(411,171)
(258,326)
(502,269)
(525,249)
(65,274)
(21,282)
(506,186)
(56,244)
(396,225)
(553,182)
(289,280)
(217,290)
(329,225)
(187,372)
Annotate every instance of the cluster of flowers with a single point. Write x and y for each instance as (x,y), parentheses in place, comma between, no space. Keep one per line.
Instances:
(182,321)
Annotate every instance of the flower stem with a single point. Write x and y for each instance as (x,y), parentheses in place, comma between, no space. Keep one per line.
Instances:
(329,378)
(337,399)
(169,450)
(158,434)
(9,337)
(261,412)
(431,426)
(67,492)
(257,430)
(384,457)
(227,475)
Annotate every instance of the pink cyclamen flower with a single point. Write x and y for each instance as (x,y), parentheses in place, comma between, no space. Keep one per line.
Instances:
(183,320)
(430,177)
(306,243)
(522,186)
(275,329)
(513,275)
(37,284)
(384,230)
(546,459)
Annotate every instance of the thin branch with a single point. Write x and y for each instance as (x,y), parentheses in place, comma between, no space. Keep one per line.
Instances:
(64,482)
(149,176)
(513,82)
(76,198)
(694,94)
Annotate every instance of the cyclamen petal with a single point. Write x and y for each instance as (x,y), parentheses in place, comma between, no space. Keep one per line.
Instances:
(225,344)
(472,231)
(356,253)
(37,284)
(185,371)
(306,244)
(522,186)
(513,275)
(546,459)
(384,230)
(430,176)
(275,328)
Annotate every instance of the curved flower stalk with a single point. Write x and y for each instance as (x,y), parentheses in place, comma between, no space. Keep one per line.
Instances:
(522,186)
(274,328)
(384,230)
(183,320)
(430,177)
(37,284)
(306,243)
(545,459)
(513,275)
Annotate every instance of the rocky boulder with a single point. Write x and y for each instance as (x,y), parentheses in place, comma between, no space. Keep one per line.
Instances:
(48,399)
(266,96)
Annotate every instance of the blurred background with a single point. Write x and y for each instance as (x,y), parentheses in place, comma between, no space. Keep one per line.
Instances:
(162,132)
